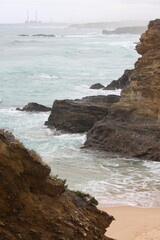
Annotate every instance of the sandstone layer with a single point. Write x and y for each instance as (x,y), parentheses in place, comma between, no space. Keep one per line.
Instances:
(132,126)
(143,92)
(77,116)
(36,206)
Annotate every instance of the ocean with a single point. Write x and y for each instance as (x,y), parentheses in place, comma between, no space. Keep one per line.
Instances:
(41,69)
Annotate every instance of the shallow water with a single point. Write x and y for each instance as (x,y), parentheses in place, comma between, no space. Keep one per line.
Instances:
(44,69)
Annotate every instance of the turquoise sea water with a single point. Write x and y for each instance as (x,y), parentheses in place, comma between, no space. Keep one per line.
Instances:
(44,69)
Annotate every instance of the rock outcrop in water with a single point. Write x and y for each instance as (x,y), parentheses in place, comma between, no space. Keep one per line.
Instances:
(132,127)
(121,83)
(43,35)
(35,206)
(34,107)
(97,86)
(77,116)
(38,35)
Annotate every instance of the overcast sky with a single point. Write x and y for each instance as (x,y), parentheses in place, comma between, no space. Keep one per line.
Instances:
(12,11)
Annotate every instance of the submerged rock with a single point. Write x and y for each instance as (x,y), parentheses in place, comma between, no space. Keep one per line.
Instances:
(132,126)
(79,115)
(34,107)
(23,35)
(121,83)
(43,35)
(97,86)
(36,206)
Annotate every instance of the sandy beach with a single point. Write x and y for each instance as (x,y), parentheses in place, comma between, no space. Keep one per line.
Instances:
(134,223)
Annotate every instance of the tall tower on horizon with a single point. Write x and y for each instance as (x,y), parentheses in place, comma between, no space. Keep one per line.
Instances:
(36,16)
(27,20)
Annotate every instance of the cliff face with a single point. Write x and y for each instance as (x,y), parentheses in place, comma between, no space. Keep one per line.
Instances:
(132,126)
(143,93)
(34,206)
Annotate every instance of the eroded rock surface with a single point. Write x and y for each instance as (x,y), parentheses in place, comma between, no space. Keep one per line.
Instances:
(132,126)
(122,135)
(143,92)
(79,115)
(35,206)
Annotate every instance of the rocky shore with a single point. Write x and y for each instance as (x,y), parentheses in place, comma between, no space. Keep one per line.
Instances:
(127,126)
(37,206)
(132,126)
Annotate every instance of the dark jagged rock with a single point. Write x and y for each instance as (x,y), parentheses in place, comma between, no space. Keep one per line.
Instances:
(124,30)
(97,86)
(36,206)
(79,115)
(34,107)
(121,83)
(132,126)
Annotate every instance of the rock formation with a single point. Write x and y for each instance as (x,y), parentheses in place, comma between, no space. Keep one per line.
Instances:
(124,30)
(77,116)
(97,86)
(121,83)
(34,107)
(119,135)
(143,93)
(132,127)
(36,206)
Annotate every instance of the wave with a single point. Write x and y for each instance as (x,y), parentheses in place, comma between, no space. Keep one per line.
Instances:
(125,192)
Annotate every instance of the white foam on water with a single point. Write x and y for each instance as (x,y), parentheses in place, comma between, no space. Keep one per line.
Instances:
(42,70)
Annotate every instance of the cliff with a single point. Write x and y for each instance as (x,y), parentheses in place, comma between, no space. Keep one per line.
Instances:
(132,126)
(36,206)
(143,93)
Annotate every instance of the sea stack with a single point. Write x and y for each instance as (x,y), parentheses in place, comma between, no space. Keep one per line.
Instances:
(36,206)
(132,127)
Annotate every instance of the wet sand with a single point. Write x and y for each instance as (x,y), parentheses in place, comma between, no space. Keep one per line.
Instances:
(134,223)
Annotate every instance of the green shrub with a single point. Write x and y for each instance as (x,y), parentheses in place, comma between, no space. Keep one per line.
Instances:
(86,197)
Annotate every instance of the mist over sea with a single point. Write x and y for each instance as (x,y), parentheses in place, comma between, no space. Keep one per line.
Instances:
(41,69)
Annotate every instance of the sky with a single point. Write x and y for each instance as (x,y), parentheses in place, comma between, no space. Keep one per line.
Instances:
(77,11)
